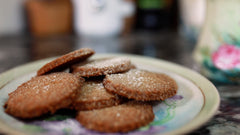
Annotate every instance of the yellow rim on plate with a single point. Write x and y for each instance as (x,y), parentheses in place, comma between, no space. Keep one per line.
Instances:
(210,93)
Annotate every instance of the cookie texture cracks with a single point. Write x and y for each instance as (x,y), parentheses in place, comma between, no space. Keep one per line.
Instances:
(102,66)
(121,118)
(64,61)
(141,85)
(93,95)
(109,94)
(43,94)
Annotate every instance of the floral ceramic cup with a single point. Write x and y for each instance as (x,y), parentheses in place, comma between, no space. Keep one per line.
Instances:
(218,48)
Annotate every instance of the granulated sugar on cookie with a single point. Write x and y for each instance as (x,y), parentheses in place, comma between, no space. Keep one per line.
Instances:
(102,66)
(110,99)
(141,85)
(65,61)
(43,94)
(121,118)
(93,95)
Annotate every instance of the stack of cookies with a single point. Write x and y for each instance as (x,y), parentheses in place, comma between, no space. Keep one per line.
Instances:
(109,94)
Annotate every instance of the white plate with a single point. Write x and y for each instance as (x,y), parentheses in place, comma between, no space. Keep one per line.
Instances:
(196,102)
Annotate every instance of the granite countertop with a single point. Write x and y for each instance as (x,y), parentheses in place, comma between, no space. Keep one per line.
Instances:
(17,50)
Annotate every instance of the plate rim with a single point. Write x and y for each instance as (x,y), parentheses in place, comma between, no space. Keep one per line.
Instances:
(211,101)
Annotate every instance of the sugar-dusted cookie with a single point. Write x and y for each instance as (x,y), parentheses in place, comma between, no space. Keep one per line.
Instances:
(121,118)
(43,94)
(93,95)
(141,85)
(66,61)
(102,66)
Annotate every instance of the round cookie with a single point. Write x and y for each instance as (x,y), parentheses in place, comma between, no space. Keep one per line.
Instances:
(141,85)
(66,60)
(43,94)
(102,66)
(93,95)
(121,118)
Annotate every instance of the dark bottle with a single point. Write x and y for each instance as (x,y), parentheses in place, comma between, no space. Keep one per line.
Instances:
(154,15)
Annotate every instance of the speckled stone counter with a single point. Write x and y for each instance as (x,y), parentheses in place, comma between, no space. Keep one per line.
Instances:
(15,51)
(227,119)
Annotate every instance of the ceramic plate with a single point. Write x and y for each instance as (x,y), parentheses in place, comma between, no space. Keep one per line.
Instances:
(195,103)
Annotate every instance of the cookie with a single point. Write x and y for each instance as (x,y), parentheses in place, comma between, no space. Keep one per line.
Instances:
(121,118)
(102,66)
(65,61)
(43,94)
(93,95)
(141,85)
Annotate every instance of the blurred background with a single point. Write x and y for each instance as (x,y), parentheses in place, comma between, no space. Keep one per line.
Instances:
(36,29)
(164,29)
